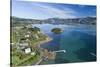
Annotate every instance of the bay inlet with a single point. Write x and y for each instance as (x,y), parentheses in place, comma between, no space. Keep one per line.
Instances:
(79,41)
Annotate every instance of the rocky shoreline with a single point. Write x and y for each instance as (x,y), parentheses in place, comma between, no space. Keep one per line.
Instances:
(44,41)
(44,52)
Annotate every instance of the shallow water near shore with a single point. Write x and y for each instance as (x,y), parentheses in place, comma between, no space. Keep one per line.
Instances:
(79,41)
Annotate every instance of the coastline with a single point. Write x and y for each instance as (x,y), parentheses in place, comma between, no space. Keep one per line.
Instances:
(48,39)
(51,55)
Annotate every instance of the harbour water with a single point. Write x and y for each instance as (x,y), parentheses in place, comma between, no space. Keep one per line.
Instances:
(79,41)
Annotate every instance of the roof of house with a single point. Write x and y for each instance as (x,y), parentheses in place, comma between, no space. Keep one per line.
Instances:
(27,50)
(23,44)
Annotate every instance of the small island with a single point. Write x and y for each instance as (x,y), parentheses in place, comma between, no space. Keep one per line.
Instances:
(57,30)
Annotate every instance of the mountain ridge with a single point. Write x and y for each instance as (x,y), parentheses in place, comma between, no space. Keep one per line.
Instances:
(85,20)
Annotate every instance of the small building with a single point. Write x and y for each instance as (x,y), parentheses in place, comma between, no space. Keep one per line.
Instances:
(27,35)
(33,53)
(28,50)
(29,26)
(12,43)
(23,44)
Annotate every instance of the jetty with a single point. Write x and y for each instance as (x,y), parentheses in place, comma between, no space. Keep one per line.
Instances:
(48,55)
(60,51)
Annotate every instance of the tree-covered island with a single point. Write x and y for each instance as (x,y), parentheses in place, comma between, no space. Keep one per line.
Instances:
(57,30)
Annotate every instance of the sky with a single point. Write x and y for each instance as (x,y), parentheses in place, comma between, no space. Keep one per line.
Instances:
(40,10)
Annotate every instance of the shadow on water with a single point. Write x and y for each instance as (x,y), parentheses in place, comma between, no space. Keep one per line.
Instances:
(85,55)
(90,47)
(61,60)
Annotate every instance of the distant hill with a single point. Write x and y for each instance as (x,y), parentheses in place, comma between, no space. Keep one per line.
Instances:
(86,20)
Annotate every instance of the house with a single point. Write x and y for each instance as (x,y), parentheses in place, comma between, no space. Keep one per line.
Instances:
(24,47)
(27,50)
(23,44)
(33,53)
(29,26)
(12,43)
(27,35)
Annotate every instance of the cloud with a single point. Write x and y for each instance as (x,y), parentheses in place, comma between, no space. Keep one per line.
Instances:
(51,11)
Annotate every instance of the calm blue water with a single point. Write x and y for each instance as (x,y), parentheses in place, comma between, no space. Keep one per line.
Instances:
(79,41)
